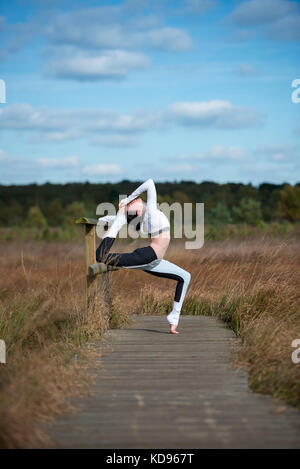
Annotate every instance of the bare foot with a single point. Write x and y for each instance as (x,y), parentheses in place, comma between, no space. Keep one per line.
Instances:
(173,329)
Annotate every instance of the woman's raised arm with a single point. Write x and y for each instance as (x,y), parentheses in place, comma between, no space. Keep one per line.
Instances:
(148,186)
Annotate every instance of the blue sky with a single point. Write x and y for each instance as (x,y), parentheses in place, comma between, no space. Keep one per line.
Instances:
(192,89)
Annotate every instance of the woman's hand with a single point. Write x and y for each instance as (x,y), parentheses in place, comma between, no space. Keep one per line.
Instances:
(123,202)
(122,209)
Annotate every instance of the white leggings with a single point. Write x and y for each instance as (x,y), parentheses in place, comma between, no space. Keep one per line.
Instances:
(166,269)
(145,259)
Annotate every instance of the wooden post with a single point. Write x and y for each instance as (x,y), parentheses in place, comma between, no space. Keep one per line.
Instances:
(93,287)
(98,298)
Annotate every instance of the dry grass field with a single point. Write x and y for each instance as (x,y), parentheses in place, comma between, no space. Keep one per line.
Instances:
(253,285)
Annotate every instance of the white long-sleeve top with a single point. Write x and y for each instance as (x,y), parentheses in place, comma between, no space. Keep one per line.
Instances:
(154,221)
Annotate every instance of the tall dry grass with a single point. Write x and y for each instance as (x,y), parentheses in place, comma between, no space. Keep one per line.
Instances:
(47,331)
(253,285)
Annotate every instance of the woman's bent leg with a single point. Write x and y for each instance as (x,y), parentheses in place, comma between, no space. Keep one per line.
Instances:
(104,248)
(137,258)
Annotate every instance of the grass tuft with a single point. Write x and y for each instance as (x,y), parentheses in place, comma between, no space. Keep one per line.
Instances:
(251,284)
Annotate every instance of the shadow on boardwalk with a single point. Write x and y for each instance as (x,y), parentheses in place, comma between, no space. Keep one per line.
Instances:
(156,390)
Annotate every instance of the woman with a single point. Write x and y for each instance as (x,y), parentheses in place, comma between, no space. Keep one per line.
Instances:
(150,259)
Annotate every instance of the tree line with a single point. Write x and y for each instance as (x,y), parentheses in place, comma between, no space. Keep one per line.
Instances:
(60,204)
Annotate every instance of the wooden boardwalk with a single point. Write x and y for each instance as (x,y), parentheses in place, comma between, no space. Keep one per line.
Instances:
(156,390)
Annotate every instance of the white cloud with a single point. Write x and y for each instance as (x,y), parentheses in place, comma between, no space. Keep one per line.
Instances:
(256,12)
(23,116)
(273,172)
(102,170)
(92,35)
(199,6)
(269,163)
(57,137)
(95,43)
(18,170)
(216,113)
(220,153)
(110,121)
(170,39)
(279,19)
(90,45)
(284,152)
(59,125)
(115,28)
(67,124)
(23,169)
(55,163)
(286,29)
(223,152)
(100,26)
(89,66)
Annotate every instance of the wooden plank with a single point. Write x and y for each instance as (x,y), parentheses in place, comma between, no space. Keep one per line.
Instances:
(86,221)
(100,268)
(156,390)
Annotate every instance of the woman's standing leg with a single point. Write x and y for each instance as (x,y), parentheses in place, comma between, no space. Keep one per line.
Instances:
(167,269)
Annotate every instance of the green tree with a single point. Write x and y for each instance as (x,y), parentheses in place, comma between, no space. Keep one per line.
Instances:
(11,213)
(248,211)
(4,214)
(73,211)
(289,203)
(35,218)
(15,212)
(164,198)
(220,215)
(180,197)
(55,213)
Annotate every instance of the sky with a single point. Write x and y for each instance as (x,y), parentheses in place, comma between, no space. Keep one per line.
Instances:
(197,90)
